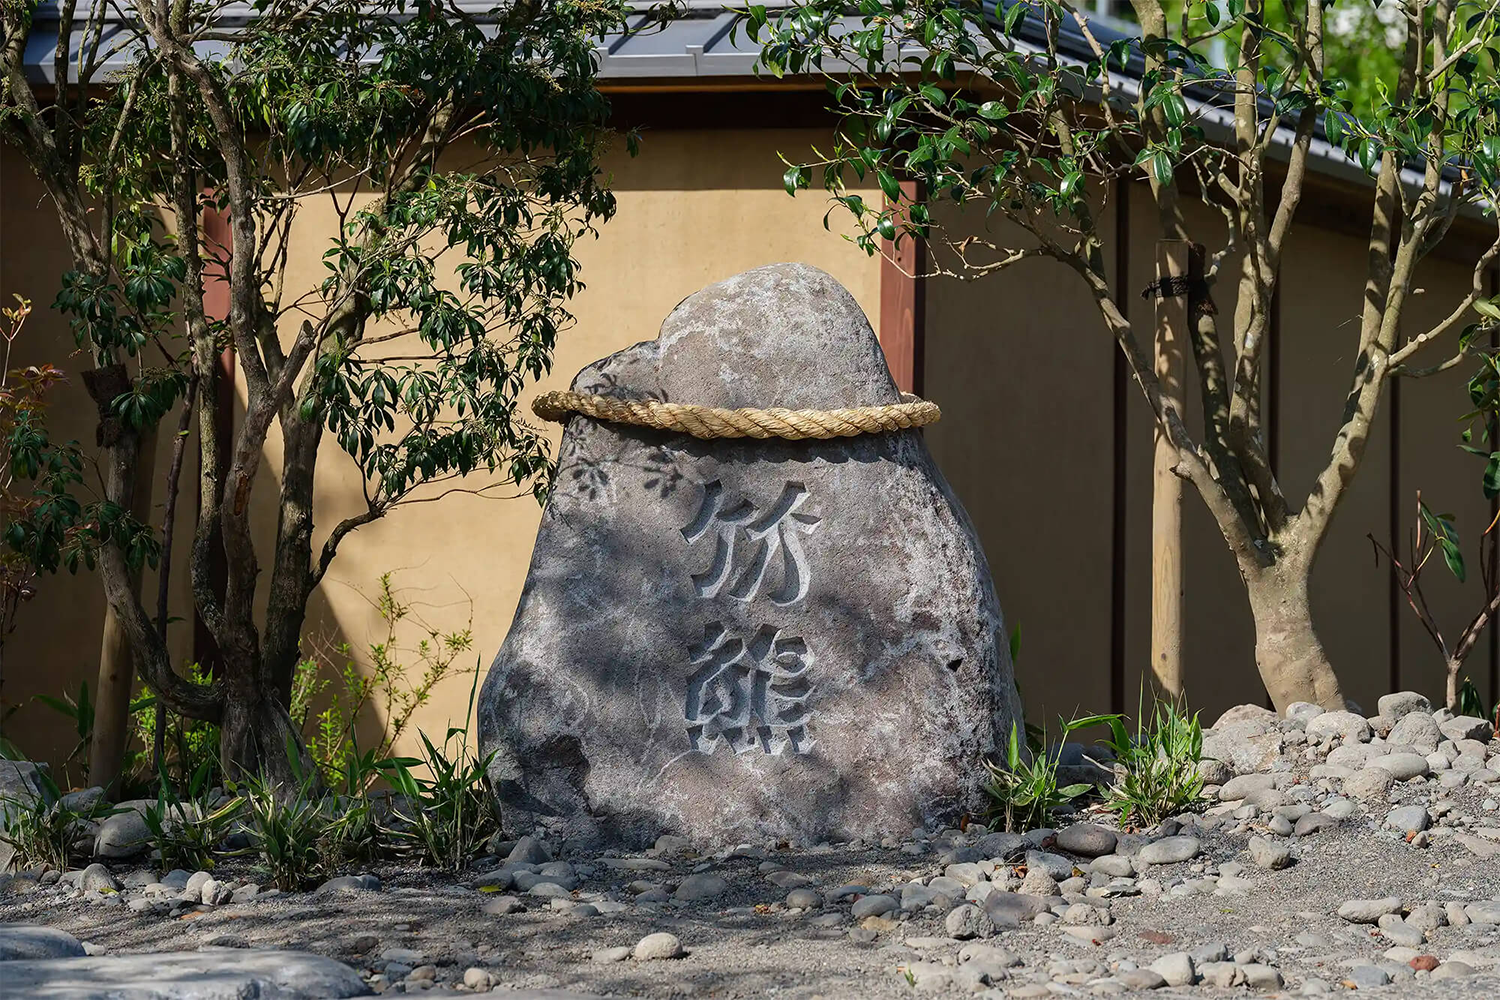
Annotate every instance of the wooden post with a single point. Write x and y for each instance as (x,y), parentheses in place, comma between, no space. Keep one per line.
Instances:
(902,304)
(1172,261)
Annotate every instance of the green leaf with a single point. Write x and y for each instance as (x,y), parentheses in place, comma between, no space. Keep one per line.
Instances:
(889,185)
(1453,557)
(1175,108)
(993,110)
(1161,167)
(1491,479)
(1014,17)
(1333,128)
(794,178)
(1488,307)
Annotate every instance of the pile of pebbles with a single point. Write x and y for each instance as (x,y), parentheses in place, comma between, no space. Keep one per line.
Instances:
(1331,851)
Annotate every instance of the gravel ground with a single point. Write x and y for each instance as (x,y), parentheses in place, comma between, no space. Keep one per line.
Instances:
(769,920)
(747,944)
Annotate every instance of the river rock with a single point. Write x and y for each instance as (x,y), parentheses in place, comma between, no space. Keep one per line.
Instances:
(1089,840)
(1467,727)
(216,974)
(124,834)
(20,942)
(1400,704)
(741,639)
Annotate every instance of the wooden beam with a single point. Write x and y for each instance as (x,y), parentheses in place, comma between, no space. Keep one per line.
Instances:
(903,306)
(1173,260)
(1119,444)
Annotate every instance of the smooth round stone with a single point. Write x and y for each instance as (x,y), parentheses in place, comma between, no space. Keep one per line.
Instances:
(803,899)
(1241,786)
(1408,819)
(1400,704)
(696,888)
(945,886)
(1141,979)
(549,890)
(1368,911)
(657,946)
(1170,850)
(1304,711)
(1177,969)
(1453,970)
(1357,755)
(1113,865)
(1086,839)
(1468,763)
(1403,766)
(1418,729)
(1346,725)
(874,906)
(1367,977)
(1369,783)
(1487,912)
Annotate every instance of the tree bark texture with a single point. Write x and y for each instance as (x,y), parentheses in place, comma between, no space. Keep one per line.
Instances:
(116,658)
(1292,662)
(257,738)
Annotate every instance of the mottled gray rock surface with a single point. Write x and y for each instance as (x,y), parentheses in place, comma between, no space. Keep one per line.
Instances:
(750,638)
(213,974)
(19,942)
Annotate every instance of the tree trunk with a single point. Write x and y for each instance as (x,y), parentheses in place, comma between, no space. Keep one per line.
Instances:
(1450,694)
(116,656)
(257,737)
(1291,660)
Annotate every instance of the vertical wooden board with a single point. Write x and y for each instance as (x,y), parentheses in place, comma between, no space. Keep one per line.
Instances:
(1449,478)
(1322,285)
(1218,634)
(1171,348)
(1020,363)
(902,320)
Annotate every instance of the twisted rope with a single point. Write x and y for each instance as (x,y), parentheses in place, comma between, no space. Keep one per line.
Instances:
(713,422)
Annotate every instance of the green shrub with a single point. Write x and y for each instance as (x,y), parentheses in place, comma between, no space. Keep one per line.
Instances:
(187,832)
(447,817)
(1023,789)
(288,827)
(190,744)
(1156,770)
(42,828)
(1470,702)
(400,680)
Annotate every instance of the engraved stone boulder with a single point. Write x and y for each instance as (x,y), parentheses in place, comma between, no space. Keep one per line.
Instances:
(748,639)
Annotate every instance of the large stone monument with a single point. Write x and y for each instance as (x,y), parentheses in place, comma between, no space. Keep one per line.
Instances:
(748,639)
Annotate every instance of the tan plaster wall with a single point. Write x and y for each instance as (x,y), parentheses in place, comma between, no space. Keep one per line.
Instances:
(1023,368)
(1019,362)
(694,208)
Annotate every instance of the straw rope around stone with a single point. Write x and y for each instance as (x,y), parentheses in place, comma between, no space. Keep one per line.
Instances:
(709,422)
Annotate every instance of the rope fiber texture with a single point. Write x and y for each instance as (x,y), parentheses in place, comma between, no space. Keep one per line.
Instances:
(709,422)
